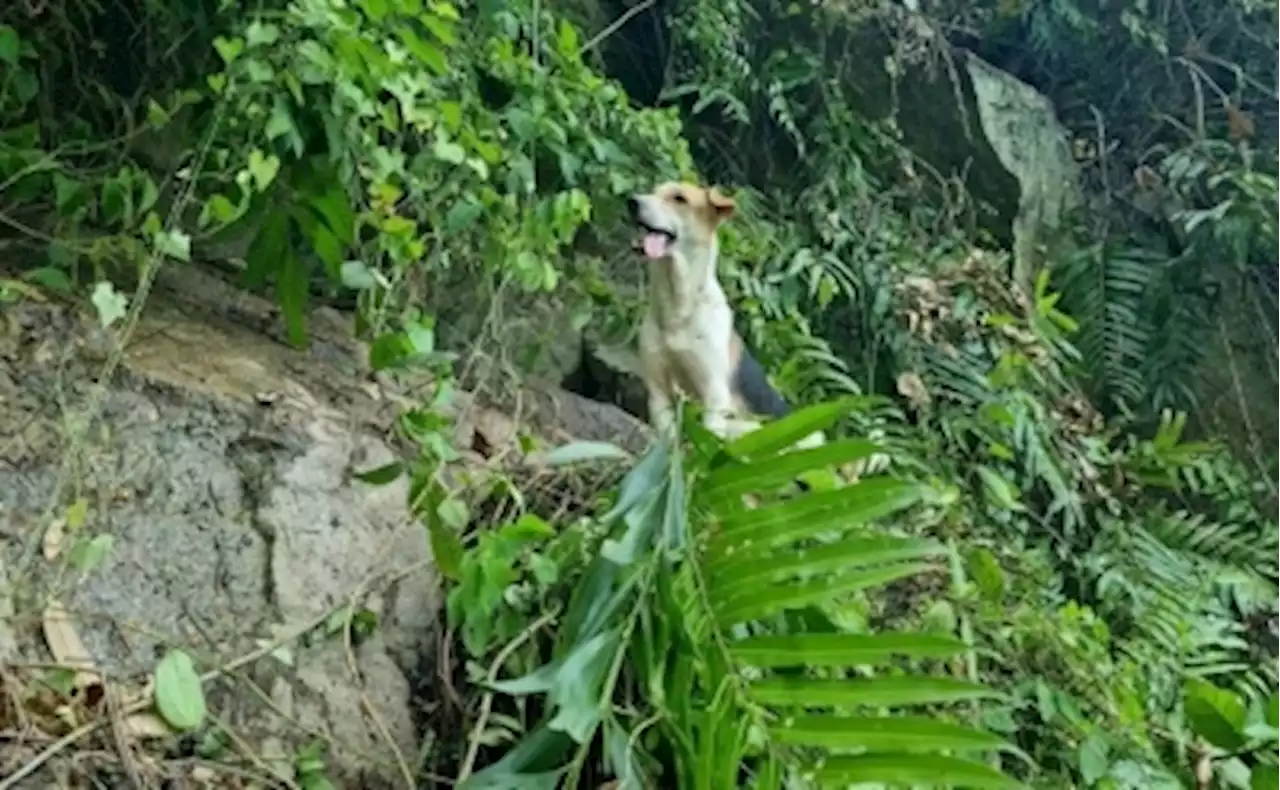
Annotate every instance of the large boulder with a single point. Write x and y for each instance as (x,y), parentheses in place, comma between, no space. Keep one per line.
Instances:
(217,463)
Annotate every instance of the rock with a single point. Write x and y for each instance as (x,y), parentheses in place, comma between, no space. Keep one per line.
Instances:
(1020,124)
(219,461)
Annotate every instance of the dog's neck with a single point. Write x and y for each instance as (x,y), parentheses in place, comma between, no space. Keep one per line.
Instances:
(683,282)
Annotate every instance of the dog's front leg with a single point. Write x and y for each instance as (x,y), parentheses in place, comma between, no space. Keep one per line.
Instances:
(661,410)
(717,409)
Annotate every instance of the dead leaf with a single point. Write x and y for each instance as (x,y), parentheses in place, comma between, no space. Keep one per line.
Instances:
(911,387)
(1239,123)
(146,725)
(54,537)
(67,647)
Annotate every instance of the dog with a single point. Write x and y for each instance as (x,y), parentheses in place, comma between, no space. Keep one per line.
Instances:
(687,342)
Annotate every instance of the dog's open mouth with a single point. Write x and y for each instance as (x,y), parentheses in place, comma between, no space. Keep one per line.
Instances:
(655,244)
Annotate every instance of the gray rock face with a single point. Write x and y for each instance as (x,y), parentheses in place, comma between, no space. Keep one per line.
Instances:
(220,463)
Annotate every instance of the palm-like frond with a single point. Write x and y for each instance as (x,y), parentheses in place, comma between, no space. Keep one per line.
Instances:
(691,600)
(1105,290)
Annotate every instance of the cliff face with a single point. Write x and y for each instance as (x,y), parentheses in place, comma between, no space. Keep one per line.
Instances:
(214,464)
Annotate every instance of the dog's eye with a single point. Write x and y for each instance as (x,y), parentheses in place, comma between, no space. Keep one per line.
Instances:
(679,199)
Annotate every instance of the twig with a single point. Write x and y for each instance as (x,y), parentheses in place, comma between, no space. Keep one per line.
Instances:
(128,760)
(252,756)
(358,679)
(614,26)
(137,706)
(486,702)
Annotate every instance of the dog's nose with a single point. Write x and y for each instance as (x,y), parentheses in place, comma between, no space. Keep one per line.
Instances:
(633,205)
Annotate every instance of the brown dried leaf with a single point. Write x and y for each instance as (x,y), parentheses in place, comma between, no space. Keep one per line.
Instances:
(67,647)
(54,538)
(146,725)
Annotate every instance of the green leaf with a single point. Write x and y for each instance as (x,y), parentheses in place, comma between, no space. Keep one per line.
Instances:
(905,770)
(429,55)
(875,733)
(179,695)
(1264,777)
(259,33)
(986,573)
(782,434)
(1271,711)
(356,276)
(388,350)
(263,168)
(111,306)
(174,244)
(1094,760)
(440,28)
(446,545)
(9,45)
(453,512)
(840,650)
(737,479)
(578,687)
(267,250)
(761,602)
(753,533)
(291,293)
(1215,714)
(49,277)
(228,48)
(447,151)
(577,452)
(765,567)
(88,554)
(1000,492)
(462,214)
(381,475)
(804,692)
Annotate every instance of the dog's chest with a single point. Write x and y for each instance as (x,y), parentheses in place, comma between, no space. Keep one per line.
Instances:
(692,350)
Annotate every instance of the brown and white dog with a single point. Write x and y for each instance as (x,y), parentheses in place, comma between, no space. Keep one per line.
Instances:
(687,342)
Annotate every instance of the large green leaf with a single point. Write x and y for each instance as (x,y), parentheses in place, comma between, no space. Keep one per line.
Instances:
(881,733)
(840,650)
(869,692)
(733,481)
(930,770)
(1217,715)
(759,531)
(783,433)
(758,603)
(755,568)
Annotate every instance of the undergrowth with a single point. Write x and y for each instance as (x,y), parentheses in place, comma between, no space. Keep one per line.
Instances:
(1067,567)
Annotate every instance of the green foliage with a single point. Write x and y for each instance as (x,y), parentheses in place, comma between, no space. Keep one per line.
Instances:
(1104,562)
(685,646)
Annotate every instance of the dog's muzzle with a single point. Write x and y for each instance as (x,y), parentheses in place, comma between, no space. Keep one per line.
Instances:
(656,242)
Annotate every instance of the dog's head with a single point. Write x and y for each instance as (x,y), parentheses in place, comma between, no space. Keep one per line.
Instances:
(677,216)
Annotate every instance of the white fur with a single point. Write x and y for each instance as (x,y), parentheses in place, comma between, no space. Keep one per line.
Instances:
(686,339)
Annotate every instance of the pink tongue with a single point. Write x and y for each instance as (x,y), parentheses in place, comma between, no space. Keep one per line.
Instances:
(655,245)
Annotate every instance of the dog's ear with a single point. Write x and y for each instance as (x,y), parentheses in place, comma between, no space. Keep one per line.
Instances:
(723,206)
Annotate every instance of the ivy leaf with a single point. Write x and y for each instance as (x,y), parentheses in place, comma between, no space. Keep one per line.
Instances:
(263,168)
(447,151)
(173,243)
(179,695)
(228,48)
(111,306)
